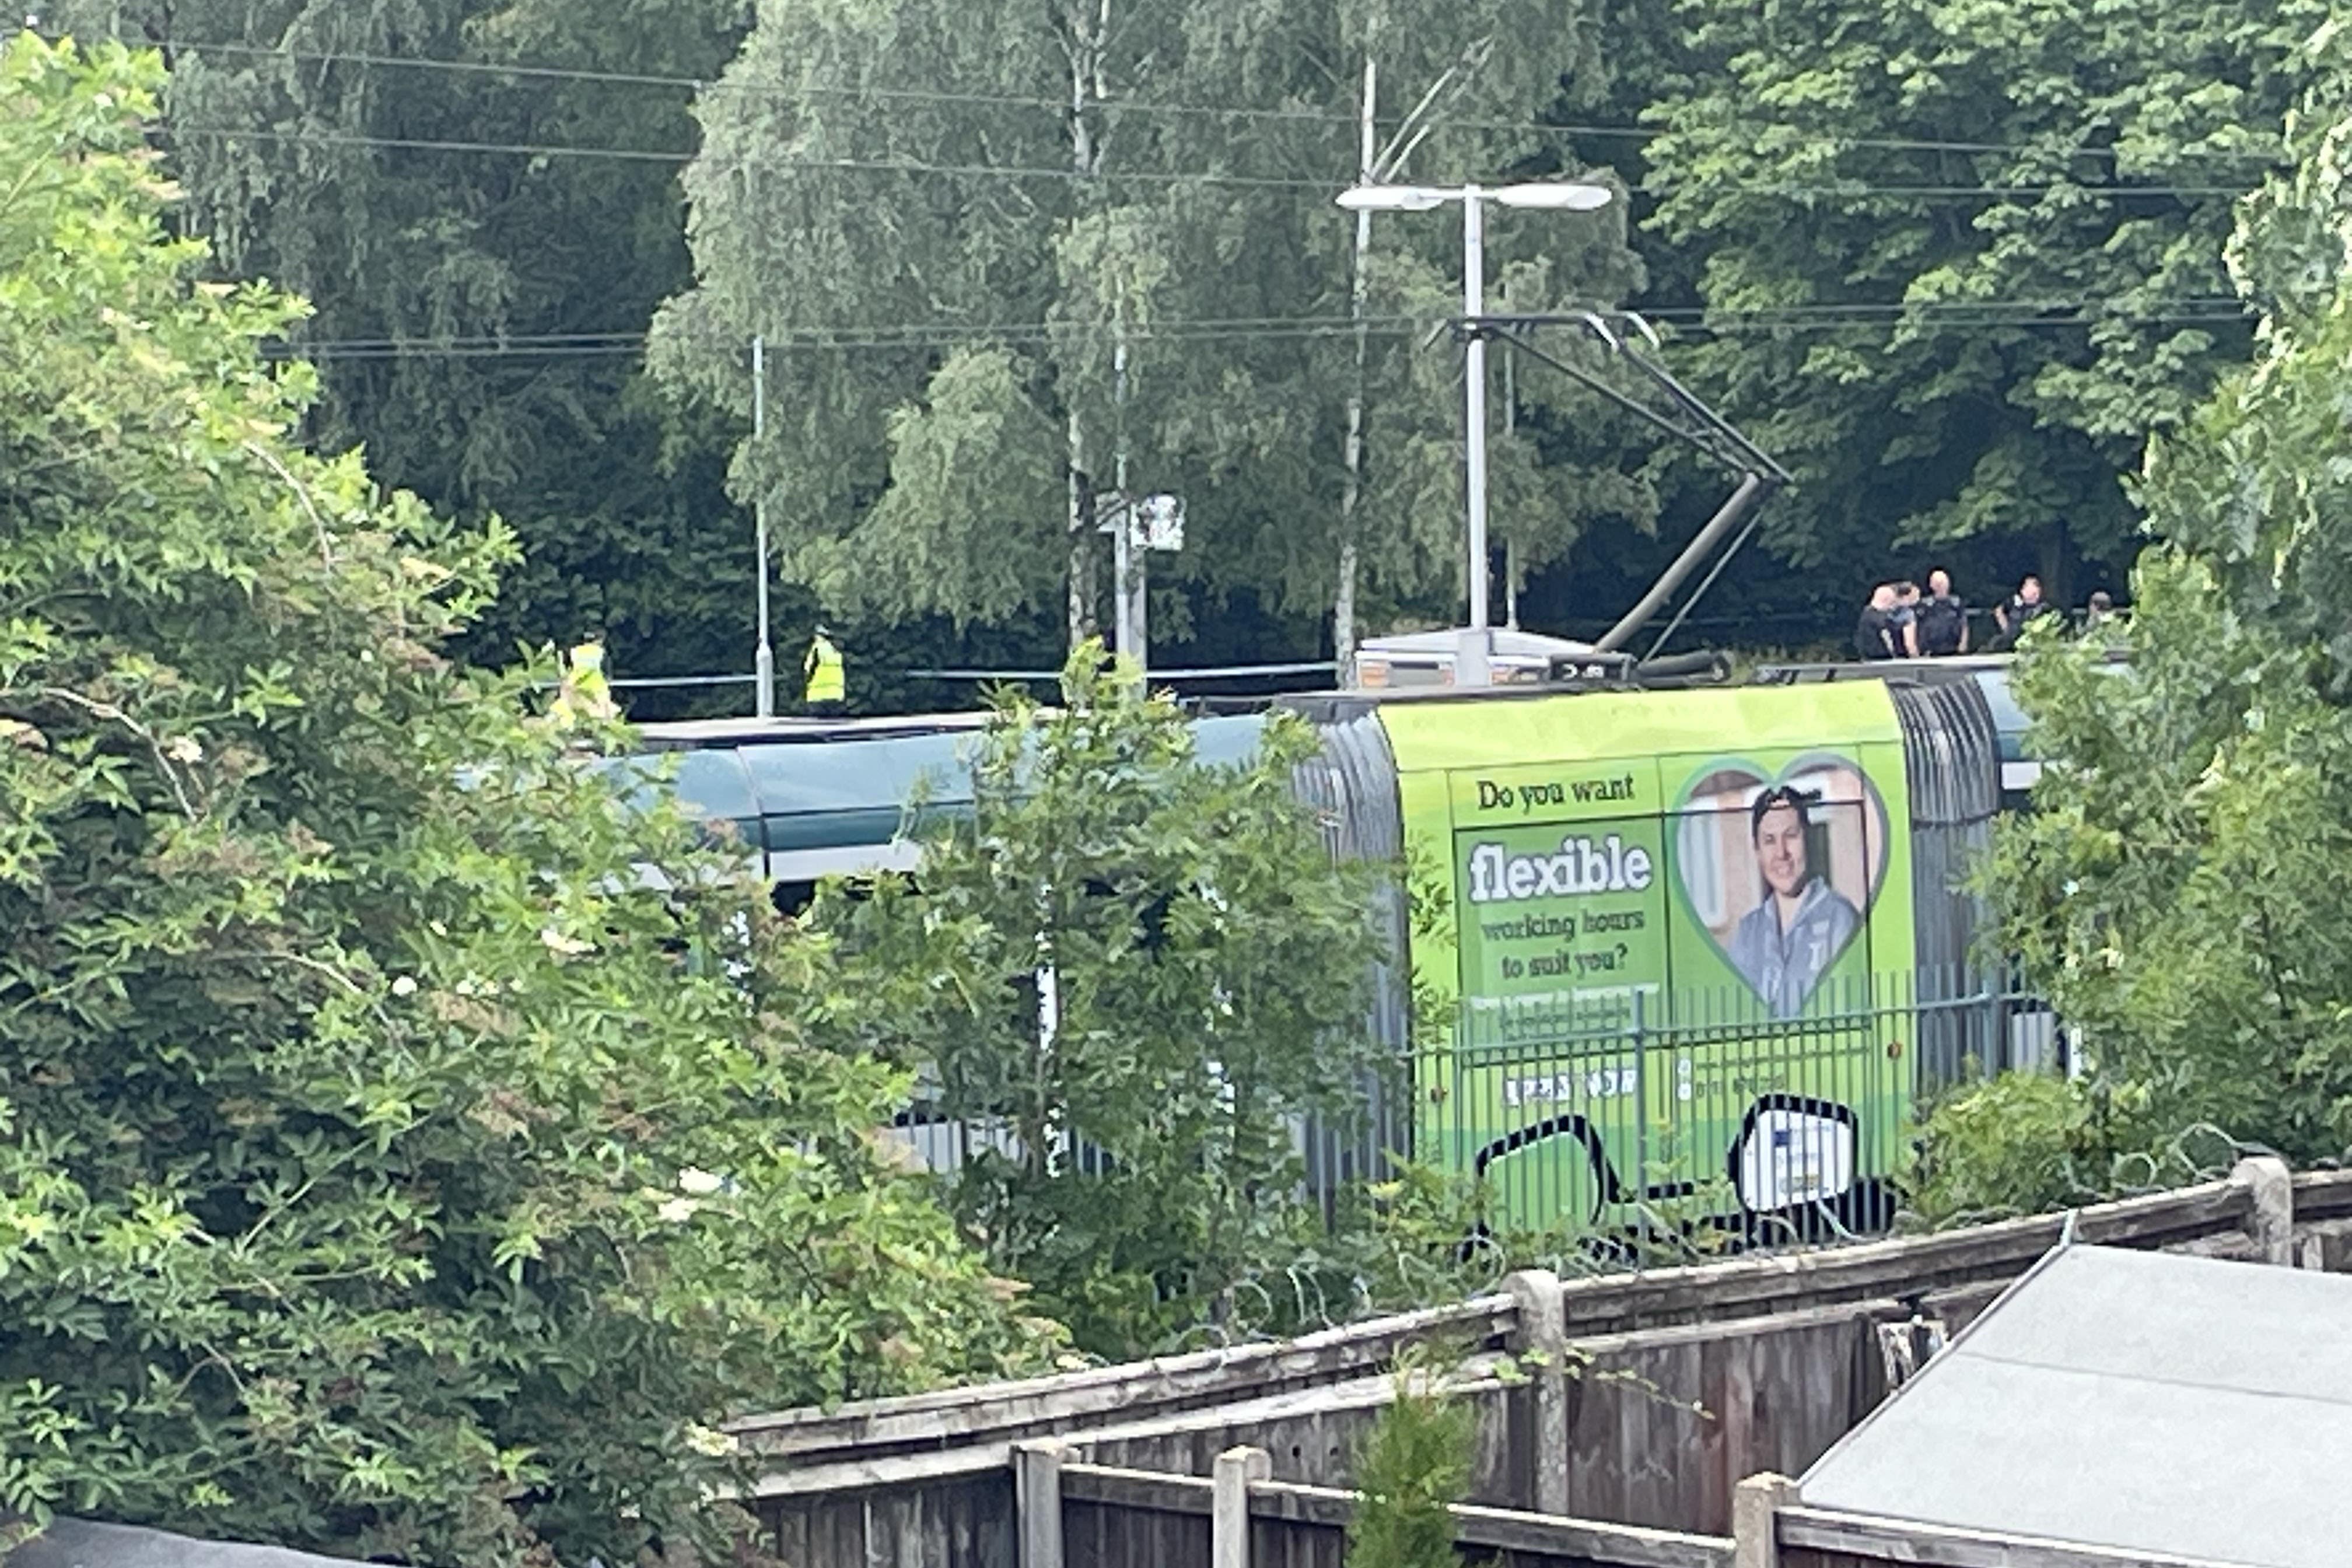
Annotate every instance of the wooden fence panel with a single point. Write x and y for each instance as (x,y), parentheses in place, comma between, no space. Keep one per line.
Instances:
(1116,1518)
(1664,1426)
(1312,1439)
(957,1522)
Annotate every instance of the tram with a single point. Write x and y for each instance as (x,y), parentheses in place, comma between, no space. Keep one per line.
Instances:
(1701,946)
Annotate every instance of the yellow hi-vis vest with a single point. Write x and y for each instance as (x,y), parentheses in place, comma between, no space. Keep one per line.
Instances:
(584,692)
(823,667)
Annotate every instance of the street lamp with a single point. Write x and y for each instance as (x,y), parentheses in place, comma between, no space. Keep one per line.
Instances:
(1555,196)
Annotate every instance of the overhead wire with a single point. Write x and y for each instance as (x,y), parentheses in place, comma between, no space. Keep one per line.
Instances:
(1129,106)
(2194,311)
(1672,314)
(1845,190)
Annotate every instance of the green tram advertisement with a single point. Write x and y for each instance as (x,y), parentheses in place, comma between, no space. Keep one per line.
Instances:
(1659,969)
(1688,954)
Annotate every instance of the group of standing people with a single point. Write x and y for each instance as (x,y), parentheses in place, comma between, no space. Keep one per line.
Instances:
(1900,622)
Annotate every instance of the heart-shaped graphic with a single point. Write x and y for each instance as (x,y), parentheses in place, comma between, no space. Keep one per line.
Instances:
(1780,868)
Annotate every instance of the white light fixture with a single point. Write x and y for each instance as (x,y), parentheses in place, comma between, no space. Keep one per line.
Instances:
(1558,195)
(1472,663)
(1395,198)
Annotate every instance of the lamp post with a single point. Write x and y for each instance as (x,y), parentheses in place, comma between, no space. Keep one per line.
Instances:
(1471,664)
(763,656)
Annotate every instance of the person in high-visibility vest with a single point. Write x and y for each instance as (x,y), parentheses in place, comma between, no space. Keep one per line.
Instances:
(828,686)
(584,693)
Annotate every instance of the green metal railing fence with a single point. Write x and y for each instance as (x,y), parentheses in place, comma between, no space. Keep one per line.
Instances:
(1628,1110)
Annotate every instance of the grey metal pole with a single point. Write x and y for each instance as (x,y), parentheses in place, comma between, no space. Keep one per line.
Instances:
(1137,622)
(1123,566)
(1471,664)
(763,663)
(1751,486)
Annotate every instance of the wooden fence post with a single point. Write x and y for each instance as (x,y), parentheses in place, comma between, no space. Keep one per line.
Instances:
(2271,1224)
(1037,1500)
(1541,1344)
(1229,1515)
(1756,1541)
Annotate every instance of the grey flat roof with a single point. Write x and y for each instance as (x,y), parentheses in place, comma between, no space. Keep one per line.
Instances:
(2133,1400)
(79,1543)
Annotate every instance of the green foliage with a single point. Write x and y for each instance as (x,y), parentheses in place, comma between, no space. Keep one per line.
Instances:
(2177,892)
(1414,1466)
(1158,300)
(473,309)
(2032,201)
(2017,1144)
(383,1166)
(1206,970)
(2027,1143)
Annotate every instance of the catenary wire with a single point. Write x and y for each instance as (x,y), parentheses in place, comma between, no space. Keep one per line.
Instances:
(1690,316)
(1843,190)
(1127,106)
(1877,324)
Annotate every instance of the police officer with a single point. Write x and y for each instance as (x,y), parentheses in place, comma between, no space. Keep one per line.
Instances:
(1874,634)
(1943,619)
(2026,604)
(1902,625)
(827,685)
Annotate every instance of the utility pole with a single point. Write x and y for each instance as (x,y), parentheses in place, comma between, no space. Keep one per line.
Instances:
(1132,631)
(1351,491)
(1471,665)
(1473,651)
(763,663)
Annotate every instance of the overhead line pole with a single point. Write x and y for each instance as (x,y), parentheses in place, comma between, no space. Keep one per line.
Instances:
(763,662)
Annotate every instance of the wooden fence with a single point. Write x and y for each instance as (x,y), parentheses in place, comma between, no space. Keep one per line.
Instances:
(1099,1516)
(1665,1390)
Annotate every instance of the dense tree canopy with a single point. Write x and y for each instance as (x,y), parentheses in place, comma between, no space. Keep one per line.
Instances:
(2177,890)
(1011,261)
(1960,261)
(1952,265)
(384,1164)
(478,304)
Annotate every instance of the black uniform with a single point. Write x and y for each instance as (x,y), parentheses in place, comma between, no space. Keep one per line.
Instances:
(1899,622)
(2017,612)
(1874,634)
(1943,625)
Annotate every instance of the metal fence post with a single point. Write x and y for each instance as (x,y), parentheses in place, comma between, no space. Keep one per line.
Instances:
(1641,1128)
(1037,1500)
(1229,1515)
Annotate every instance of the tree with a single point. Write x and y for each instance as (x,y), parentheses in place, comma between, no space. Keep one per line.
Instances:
(478,311)
(1118,229)
(2176,891)
(383,1167)
(1959,262)
(1413,1468)
(1129,970)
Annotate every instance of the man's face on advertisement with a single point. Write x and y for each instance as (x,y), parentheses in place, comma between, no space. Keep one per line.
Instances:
(1780,850)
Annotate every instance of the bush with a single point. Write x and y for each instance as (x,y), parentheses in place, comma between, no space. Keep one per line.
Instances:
(382,1170)
(2028,1143)
(2018,1143)
(1414,1466)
